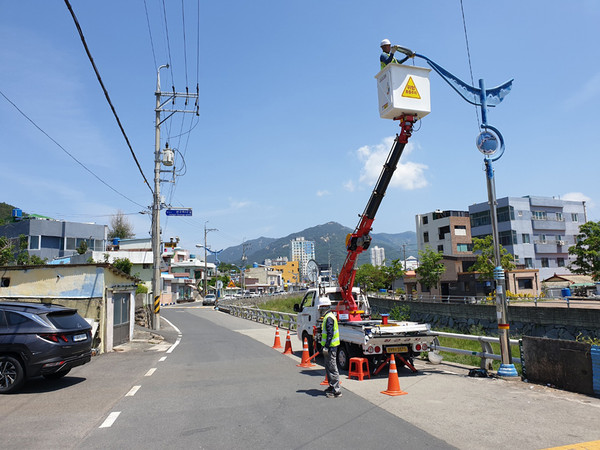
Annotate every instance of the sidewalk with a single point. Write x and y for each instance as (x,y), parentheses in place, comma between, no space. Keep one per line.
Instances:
(469,413)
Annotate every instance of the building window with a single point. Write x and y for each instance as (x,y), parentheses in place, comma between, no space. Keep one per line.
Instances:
(539,215)
(529,263)
(505,214)
(425,220)
(441,248)
(525,283)
(526,238)
(426,236)
(480,218)
(559,217)
(520,213)
(71,243)
(545,262)
(462,247)
(507,237)
(560,262)
(424,288)
(574,217)
(460,230)
(34,242)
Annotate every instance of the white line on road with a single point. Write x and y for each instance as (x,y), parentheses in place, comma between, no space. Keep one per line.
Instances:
(162,359)
(132,391)
(150,372)
(110,419)
(174,345)
(176,329)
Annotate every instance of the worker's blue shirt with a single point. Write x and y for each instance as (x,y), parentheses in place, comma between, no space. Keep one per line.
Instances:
(386,58)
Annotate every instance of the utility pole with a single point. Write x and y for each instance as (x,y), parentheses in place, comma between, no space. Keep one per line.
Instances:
(245,245)
(156,203)
(206,230)
(404,249)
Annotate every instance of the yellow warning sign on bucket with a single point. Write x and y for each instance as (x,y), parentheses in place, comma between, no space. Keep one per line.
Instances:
(411,90)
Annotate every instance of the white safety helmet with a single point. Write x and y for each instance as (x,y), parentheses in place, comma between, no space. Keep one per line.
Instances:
(385,42)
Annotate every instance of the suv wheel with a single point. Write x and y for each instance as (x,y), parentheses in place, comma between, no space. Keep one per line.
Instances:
(11,374)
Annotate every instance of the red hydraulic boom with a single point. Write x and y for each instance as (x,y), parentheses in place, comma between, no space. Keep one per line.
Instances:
(360,239)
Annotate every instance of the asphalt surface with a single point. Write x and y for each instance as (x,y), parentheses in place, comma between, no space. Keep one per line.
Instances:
(214,381)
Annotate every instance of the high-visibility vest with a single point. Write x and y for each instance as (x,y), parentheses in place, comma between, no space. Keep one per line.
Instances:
(335,339)
(394,60)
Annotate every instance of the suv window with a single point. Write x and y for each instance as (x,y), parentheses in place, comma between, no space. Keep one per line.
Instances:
(67,320)
(3,323)
(15,319)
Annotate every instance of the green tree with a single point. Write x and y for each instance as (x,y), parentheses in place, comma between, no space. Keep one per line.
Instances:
(120,227)
(123,264)
(83,248)
(430,268)
(392,273)
(7,255)
(587,251)
(485,258)
(370,278)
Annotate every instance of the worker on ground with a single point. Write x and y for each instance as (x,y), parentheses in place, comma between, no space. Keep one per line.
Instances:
(330,341)
(387,55)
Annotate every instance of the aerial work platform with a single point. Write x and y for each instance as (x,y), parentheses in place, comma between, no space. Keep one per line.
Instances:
(403,90)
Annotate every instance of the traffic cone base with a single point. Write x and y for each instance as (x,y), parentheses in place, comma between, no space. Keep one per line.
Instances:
(288,345)
(305,356)
(393,382)
(277,343)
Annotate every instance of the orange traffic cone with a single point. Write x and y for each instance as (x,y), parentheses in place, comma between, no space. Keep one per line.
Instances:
(305,356)
(288,345)
(325,382)
(277,343)
(393,382)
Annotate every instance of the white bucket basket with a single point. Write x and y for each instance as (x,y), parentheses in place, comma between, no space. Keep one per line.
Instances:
(403,90)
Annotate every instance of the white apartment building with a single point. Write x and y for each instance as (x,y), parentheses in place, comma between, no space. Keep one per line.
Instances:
(377,256)
(302,251)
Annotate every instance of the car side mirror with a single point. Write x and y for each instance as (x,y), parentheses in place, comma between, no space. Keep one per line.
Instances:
(297,308)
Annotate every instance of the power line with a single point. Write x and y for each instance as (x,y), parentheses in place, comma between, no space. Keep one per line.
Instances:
(468,54)
(67,152)
(150,33)
(87,50)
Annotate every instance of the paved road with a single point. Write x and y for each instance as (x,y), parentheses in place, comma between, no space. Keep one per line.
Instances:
(223,386)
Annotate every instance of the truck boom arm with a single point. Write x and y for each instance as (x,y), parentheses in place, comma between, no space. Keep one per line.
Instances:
(360,239)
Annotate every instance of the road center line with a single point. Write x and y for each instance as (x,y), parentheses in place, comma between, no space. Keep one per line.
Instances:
(150,372)
(162,359)
(132,391)
(110,419)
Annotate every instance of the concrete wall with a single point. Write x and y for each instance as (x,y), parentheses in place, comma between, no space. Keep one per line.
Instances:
(556,323)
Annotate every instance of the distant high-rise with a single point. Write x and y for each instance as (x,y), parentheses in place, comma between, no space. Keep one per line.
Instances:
(302,251)
(377,256)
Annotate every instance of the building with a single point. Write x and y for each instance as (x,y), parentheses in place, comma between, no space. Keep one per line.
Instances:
(447,232)
(290,276)
(102,295)
(377,256)
(537,231)
(302,251)
(49,238)
(263,280)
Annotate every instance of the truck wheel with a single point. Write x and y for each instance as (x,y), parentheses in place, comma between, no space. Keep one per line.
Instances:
(343,357)
(12,375)
(309,340)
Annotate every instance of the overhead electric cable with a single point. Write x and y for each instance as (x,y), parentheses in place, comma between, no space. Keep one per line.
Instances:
(184,46)
(150,33)
(67,152)
(469,55)
(87,50)
(168,44)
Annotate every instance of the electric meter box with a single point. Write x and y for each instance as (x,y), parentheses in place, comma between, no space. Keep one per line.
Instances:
(403,90)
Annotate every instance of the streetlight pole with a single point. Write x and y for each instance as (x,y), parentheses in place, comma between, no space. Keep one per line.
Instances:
(206,230)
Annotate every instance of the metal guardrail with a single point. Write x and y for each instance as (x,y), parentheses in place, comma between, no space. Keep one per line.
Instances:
(486,354)
(289,321)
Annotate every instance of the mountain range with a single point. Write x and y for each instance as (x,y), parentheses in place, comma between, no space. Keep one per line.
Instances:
(330,247)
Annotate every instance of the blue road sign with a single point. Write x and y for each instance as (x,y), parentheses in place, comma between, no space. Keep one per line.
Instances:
(179,212)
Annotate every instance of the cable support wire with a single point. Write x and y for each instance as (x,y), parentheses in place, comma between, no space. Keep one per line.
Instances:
(469,57)
(67,152)
(87,50)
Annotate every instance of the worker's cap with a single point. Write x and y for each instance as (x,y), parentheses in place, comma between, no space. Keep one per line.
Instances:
(385,42)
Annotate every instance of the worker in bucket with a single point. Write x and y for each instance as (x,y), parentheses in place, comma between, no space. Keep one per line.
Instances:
(388,50)
(330,341)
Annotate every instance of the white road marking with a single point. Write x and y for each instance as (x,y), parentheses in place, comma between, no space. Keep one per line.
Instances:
(176,329)
(150,372)
(132,391)
(162,359)
(110,419)
(174,345)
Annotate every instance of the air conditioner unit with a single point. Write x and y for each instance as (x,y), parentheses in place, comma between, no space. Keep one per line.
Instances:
(561,242)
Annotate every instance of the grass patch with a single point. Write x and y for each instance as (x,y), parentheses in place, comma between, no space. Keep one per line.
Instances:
(284,305)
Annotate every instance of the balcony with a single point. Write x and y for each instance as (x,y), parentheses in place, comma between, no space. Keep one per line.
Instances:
(558,225)
(551,247)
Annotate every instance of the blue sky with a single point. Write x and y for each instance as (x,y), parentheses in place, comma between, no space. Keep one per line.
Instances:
(289,134)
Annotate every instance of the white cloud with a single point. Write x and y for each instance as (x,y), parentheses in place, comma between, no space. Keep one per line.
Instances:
(323,193)
(349,186)
(578,197)
(408,175)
